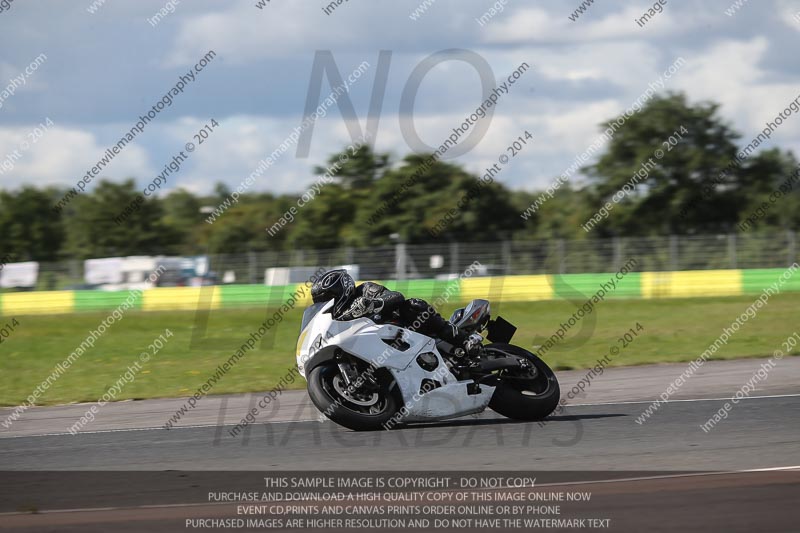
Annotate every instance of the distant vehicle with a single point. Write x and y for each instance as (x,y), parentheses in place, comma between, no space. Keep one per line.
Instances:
(478,271)
(290,275)
(19,275)
(127,273)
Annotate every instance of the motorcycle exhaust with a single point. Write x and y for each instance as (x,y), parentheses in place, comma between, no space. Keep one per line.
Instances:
(500,363)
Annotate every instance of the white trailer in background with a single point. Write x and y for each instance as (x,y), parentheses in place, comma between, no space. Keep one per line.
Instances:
(106,271)
(128,273)
(22,275)
(120,273)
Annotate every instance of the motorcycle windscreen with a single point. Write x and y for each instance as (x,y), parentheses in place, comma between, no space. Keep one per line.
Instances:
(310,312)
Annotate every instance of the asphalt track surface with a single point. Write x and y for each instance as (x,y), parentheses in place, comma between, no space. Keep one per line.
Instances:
(597,437)
(759,433)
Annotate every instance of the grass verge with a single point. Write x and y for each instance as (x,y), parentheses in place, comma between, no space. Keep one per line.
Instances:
(674,330)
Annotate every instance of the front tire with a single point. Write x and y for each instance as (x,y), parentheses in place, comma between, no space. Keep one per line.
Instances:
(357,410)
(524,396)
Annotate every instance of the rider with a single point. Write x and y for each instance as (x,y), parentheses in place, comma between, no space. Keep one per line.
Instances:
(381,304)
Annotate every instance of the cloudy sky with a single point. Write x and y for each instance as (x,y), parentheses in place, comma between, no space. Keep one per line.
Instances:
(104,69)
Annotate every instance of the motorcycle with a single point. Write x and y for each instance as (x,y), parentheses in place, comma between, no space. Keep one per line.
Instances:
(367,376)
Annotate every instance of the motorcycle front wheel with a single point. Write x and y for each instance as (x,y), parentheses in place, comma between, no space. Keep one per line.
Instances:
(368,407)
(524,394)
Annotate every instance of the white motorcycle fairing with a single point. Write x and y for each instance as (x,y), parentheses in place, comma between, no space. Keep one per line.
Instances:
(362,338)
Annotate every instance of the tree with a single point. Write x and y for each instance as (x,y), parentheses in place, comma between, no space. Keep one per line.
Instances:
(325,221)
(30,230)
(559,217)
(356,169)
(181,215)
(686,149)
(244,227)
(677,159)
(413,200)
(769,179)
(117,220)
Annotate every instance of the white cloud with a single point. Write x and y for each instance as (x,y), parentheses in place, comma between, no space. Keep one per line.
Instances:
(247,34)
(583,73)
(61,156)
(548,26)
(731,72)
(789,13)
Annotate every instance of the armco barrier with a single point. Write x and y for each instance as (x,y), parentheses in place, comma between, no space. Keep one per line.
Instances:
(754,281)
(578,286)
(508,288)
(100,300)
(683,284)
(691,283)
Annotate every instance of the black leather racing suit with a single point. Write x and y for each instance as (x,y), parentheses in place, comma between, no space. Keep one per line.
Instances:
(381,305)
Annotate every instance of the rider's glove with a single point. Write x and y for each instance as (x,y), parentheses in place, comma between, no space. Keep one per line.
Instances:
(473,343)
(363,306)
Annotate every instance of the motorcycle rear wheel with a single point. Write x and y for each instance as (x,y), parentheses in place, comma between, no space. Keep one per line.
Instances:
(524,396)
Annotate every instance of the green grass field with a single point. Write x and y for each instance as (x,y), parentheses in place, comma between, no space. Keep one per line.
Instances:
(674,330)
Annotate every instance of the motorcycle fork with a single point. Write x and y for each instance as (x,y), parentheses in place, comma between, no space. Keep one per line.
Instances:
(349,371)
(351,376)
(346,370)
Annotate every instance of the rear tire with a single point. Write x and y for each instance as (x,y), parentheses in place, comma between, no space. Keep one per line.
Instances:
(528,400)
(325,389)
